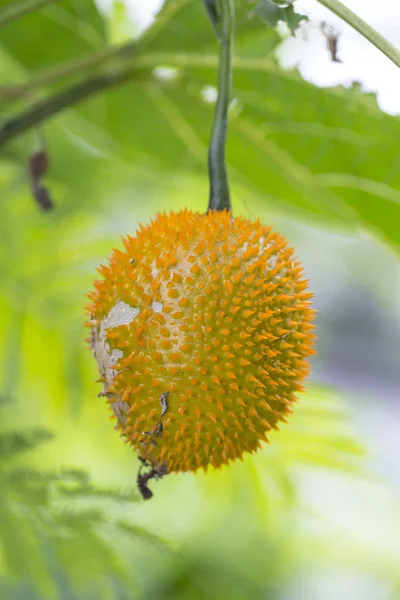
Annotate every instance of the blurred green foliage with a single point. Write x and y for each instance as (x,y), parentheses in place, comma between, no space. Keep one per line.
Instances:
(70,525)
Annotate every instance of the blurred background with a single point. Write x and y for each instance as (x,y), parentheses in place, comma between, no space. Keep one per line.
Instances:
(312,151)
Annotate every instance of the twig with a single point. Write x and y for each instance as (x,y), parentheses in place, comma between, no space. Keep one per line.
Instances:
(73,67)
(43,110)
(362,27)
(15,10)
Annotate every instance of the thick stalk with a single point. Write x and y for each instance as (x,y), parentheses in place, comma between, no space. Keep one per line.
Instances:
(223,18)
(362,27)
(43,110)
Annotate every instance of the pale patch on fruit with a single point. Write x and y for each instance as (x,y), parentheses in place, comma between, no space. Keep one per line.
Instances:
(106,361)
(101,351)
(263,247)
(120,314)
(116,354)
(157,307)
(272,261)
(155,271)
(120,410)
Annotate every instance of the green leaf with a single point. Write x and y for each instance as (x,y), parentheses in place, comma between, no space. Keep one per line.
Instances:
(320,154)
(273,13)
(57,33)
(54,523)
(15,442)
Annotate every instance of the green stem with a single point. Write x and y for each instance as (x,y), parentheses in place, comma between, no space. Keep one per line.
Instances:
(15,10)
(223,20)
(69,69)
(45,109)
(362,27)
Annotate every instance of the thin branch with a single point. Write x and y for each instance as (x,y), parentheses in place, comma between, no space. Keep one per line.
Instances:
(16,10)
(68,69)
(45,109)
(222,16)
(362,27)
(147,60)
(98,58)
(50,106)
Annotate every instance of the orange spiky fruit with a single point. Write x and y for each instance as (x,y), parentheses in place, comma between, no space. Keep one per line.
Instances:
(201,329)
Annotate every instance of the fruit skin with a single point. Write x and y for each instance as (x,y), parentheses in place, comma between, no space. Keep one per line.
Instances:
(211,313)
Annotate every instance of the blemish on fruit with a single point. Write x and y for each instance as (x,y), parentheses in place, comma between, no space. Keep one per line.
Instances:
(157,307)
(120,314)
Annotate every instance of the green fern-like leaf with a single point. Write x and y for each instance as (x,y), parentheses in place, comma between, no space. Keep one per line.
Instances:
(13,443)
(54,529)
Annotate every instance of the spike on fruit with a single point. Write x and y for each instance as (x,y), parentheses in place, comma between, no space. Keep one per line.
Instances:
(201,329)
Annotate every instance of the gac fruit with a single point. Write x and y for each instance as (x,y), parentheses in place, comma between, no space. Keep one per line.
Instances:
(201,330)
